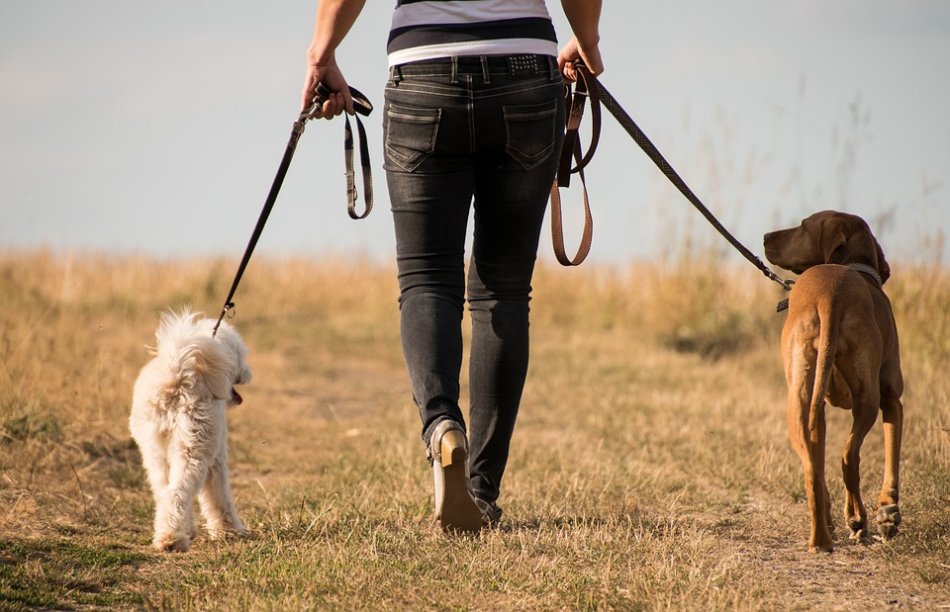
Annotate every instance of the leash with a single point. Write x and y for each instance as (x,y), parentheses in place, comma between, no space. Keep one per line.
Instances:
(589,87)
(571,149)
(362,106)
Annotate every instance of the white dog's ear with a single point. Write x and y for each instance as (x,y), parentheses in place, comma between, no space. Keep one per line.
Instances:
(215,365)
(230,337)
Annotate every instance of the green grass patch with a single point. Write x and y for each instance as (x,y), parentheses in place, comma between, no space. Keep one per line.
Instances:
(64,574)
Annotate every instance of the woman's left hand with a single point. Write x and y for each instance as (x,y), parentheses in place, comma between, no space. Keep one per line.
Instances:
(339,99)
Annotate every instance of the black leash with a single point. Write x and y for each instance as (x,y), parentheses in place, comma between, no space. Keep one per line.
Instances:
(588,86)
(362,106)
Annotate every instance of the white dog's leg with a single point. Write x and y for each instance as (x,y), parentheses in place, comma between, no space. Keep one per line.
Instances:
(152,447)
(190,453)
(217,504)
(192,523)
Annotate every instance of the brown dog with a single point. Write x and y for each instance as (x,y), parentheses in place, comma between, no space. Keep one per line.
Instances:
(839,342)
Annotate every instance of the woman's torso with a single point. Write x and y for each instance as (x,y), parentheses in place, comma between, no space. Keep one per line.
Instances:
(431,29)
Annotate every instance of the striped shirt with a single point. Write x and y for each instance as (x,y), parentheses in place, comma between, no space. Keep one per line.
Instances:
(429,29)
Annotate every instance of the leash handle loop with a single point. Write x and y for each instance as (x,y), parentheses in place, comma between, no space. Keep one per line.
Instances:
(351,193)
(575,100)
(557,224)
(582,88)
(362,106)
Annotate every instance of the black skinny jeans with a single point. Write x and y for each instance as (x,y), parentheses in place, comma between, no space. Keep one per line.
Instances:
(458,130)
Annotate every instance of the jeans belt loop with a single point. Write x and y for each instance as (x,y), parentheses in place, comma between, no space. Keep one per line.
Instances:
(486,73)
(455,70)
(554,73)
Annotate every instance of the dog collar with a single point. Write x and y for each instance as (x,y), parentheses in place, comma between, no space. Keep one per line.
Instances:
(857,267)
(868,270)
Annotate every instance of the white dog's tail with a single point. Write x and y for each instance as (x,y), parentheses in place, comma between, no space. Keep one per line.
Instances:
(200,365)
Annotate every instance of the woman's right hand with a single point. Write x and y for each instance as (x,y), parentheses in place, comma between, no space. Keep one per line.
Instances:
(574,51)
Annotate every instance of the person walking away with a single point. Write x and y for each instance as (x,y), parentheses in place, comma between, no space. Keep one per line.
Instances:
(473,120)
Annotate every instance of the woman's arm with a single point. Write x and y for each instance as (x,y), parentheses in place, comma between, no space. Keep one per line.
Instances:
(334,19)
(584,17)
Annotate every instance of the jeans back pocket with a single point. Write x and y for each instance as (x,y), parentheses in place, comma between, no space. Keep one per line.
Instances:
(410,134)
(530,132)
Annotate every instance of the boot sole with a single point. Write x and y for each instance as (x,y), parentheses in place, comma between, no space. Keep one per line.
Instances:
(459,512)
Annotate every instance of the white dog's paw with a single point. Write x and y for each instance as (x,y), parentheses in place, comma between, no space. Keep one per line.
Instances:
(171,542)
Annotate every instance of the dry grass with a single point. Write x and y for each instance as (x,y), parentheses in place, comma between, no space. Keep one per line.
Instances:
(650,467)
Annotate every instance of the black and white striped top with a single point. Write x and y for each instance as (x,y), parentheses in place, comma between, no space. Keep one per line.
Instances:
(428,29)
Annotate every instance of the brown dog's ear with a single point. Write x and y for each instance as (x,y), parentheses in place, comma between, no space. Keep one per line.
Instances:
(882,266)
(832,238)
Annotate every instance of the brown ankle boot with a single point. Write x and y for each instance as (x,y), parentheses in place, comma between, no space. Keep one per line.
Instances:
(455,506)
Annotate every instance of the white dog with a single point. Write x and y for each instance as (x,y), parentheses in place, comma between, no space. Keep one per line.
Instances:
(178,421)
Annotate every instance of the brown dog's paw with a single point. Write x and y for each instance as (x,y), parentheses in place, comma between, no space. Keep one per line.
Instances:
(821,542)
(859,530)
(888,519)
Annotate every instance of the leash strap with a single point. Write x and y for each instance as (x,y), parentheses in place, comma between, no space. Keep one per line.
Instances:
(351,193)
(557,224)
(598,95)
(362,106)
(628,124)
(575,102)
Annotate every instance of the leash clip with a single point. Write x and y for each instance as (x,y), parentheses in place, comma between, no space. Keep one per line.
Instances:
(787,283)
(226,311)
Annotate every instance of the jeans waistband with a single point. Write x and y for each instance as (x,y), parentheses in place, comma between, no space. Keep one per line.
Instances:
(484,65)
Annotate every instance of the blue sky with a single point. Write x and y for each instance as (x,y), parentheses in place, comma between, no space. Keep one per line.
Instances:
(156,128)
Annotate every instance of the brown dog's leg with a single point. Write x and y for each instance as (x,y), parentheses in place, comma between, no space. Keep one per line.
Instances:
(889,516)
(822,539)
(829,520)
(810,447)
(864,412)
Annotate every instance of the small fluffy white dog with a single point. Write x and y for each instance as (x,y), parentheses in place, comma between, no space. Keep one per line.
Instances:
(178,421)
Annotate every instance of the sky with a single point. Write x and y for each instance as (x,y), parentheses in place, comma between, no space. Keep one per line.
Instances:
(129,127)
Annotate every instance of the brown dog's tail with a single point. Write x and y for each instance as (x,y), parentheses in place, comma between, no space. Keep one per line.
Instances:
(828,326)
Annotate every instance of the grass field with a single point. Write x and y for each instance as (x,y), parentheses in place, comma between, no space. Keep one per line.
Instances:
(650,466)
